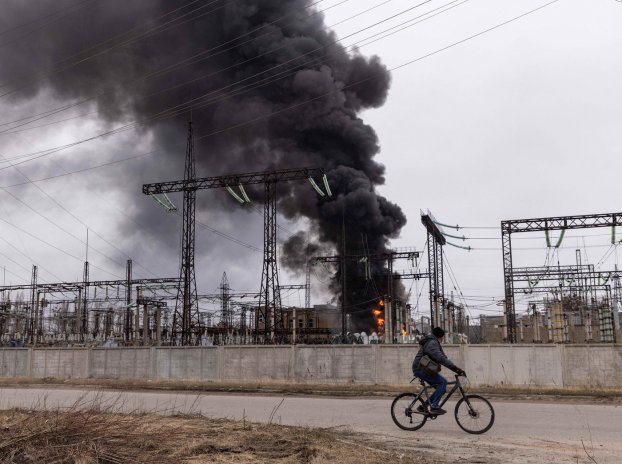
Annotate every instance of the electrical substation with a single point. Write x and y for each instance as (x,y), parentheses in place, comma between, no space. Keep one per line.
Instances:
(569,303)
(269,231)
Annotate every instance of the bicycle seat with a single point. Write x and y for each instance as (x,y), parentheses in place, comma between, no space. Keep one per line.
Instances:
(423,382)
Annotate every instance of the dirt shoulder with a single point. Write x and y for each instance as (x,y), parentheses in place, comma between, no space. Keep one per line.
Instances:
(597,395)
(84,436)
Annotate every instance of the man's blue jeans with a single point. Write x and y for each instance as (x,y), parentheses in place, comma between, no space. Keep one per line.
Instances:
(439,381)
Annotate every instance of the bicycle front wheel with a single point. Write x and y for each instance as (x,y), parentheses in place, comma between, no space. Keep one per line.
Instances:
(405,414)
(474,414)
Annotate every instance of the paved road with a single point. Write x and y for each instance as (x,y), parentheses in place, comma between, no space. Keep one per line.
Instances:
(524,432)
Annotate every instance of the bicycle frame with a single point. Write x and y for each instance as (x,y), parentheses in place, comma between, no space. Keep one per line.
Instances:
(456,386)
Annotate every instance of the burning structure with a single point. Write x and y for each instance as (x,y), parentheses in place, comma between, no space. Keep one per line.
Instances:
(265,81)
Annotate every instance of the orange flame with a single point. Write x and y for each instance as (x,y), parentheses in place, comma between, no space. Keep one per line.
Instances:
(403,330)
(379,319)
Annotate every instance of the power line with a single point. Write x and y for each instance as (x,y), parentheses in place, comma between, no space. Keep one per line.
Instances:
(27,82)
(45,243)
(68,212)
(182,108)
(13,261)
(61,228)
(153,31)
(67,146)
(161,72)
(539,237)
(225,235)
(373,77)
(71,234)
(78,171)
(352,84)
(540,248)
(411,22)
(236,240)
(454,280)
(60,14)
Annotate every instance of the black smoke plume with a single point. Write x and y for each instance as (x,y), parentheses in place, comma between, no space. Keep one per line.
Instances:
(267,85)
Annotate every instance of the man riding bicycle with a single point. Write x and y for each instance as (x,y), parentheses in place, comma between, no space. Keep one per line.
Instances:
(431,346)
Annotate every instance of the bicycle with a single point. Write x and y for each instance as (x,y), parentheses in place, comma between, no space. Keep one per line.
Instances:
(474,413)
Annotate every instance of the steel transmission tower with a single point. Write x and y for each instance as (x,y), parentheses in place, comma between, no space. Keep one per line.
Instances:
(186,320)
(270,295)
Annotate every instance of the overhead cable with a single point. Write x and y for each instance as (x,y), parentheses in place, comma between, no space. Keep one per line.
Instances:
(155,30)
(58,13)
(365,79)
(26,82)
(182,108)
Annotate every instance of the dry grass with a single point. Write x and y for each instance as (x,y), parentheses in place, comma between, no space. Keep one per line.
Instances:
(85,436)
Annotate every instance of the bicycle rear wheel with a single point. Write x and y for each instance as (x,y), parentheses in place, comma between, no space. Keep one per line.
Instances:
(474,414)
(404,412)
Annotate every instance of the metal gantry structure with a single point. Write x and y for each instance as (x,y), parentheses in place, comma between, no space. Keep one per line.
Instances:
(389,257)
(562,223)
(581,282)
(269,326)
(436,241)
(235,310)
(25,321)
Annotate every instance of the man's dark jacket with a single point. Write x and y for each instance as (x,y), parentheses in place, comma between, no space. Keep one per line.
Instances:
(432,347)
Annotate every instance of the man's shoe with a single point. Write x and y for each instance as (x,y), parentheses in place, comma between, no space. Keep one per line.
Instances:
(437,411)
(422,407)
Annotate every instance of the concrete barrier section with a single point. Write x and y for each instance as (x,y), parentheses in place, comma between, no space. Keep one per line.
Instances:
(598,366)
(64,363)
(15,362)
(508,365)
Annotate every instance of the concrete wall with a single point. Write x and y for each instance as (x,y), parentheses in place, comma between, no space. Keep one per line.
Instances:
(509,365)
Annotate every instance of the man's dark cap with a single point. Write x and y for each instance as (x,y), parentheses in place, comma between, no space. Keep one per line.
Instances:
(438,332)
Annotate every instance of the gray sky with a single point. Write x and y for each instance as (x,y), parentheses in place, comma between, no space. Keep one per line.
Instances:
(523,121)
(520,122)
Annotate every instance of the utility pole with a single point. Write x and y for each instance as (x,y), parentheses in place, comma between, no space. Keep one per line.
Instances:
(33,304)
(308,285)
(617,299)
(84,323)
(343,279)
(389,304)
(128,302)
(224,302)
